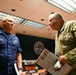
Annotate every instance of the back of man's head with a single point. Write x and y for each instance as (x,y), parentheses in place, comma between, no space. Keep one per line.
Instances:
(57,15)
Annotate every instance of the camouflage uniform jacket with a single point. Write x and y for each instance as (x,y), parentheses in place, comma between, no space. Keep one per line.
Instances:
(65,42)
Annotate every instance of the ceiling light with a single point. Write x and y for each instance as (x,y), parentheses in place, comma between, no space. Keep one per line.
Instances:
(17,19)
(33,24)
(42,19)
(66,5)
(23,21)
(13,10)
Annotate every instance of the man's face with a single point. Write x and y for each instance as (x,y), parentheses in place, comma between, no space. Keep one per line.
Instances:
(53,22)
(8,24)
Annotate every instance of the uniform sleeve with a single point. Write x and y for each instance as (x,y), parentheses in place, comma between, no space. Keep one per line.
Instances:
(71,55)
(19,48)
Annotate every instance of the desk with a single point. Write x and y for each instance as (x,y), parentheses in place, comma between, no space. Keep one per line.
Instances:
(40,71)
(37,73)
(30,67)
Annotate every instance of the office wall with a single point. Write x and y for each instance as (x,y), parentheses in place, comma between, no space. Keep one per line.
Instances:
(28,42)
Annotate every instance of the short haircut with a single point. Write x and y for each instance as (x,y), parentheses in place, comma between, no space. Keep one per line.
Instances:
(8,18)
(57,15)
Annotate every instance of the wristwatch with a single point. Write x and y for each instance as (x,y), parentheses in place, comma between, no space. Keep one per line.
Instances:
(20,69)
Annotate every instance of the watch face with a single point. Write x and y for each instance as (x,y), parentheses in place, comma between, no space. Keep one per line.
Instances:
(38,47)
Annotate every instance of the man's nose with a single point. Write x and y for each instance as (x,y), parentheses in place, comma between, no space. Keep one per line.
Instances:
(50,23)
(12,23)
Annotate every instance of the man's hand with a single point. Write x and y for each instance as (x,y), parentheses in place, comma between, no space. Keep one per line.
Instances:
(62,60)
(57,66)
(20,72)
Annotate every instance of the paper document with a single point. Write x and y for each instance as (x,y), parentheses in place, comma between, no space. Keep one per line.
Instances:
(16,69)
(47,60)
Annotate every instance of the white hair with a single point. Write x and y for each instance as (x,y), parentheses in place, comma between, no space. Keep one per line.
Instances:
(9,18)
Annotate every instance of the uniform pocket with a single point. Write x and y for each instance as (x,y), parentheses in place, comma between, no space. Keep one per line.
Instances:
(2,44)
(67,39)
(15,45)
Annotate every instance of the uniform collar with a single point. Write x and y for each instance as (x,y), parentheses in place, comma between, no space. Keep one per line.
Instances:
(2,32)
(62,28)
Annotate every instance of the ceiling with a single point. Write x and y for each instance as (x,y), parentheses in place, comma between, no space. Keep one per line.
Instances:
(33,10)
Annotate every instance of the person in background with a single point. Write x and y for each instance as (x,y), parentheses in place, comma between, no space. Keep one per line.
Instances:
(65,40)
(10,50)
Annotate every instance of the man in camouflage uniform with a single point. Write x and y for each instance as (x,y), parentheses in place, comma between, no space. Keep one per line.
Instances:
(65,41)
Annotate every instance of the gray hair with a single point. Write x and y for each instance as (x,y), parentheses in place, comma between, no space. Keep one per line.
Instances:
(9,18)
